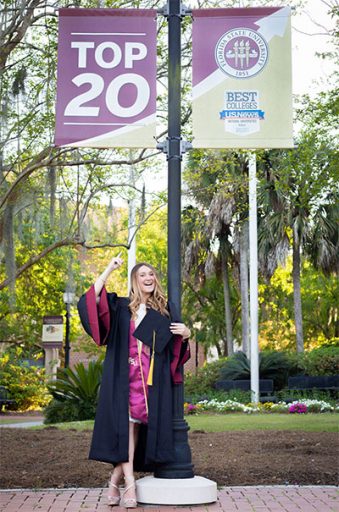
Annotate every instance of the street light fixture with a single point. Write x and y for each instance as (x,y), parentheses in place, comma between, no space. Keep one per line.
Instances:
(68,298)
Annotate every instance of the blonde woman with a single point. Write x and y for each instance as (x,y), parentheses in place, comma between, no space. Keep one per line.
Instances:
(146,346)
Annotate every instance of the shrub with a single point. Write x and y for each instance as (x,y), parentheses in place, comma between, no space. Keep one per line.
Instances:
(280,407)
(213,394)
(226,406)
(291,395)
(318,406)
(272,365)
(26,384)
(58,412)
(275,366)
(203,381)
(75,393)
(321,361)
(236,367)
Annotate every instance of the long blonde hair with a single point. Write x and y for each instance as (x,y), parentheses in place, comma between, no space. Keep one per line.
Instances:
(157,300)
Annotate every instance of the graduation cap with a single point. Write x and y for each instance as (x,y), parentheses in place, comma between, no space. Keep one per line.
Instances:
(154,331)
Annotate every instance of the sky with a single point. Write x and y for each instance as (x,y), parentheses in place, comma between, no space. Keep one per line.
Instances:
(310,73)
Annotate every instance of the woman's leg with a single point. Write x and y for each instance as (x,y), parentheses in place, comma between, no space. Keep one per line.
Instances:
(127,467)
(115,479)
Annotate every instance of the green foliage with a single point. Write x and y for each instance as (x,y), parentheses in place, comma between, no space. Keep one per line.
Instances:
(205,307)
(236,367)
(272,365)
(275,366)
(320,361)
(236,395)
(75,392)
(152,241)
(39,292)
(291,395)
(319,294)
(26,384)
(203,381)
(57,411)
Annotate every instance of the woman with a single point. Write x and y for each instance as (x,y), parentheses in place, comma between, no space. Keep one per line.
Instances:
(133,423)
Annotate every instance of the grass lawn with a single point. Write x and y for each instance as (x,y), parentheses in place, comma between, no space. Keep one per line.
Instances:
(325,422)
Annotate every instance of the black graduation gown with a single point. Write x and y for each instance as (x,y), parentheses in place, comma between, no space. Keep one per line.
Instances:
(110,434)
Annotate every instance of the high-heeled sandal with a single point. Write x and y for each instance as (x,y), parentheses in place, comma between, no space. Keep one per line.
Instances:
(128,502)
(113,501)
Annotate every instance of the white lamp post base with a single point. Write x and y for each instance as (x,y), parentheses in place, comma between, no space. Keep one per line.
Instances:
(176,491)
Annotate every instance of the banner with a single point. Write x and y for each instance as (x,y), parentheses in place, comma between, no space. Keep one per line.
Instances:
(106,78)
(242,91)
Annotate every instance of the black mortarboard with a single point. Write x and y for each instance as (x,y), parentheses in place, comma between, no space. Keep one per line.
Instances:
(154,322)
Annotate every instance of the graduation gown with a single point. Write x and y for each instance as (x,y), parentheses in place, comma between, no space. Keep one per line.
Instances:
(108,323)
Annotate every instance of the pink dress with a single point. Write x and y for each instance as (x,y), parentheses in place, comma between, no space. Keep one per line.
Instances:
(139,363)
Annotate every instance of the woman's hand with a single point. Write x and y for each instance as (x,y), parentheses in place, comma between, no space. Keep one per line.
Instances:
(115,262)
(180,329)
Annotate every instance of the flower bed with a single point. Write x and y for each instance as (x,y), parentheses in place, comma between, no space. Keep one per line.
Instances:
(297,407)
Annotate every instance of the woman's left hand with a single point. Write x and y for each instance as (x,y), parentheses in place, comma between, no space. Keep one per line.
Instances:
(180,330)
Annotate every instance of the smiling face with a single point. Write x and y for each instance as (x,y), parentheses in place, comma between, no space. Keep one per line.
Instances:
(146,289)
(146,280)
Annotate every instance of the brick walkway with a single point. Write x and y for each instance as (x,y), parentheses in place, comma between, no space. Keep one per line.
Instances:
(230,499)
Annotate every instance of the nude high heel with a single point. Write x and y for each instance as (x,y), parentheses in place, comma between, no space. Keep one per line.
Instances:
(128,502)
(113,501)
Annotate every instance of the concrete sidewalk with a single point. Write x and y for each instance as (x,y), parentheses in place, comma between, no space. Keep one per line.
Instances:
(230,499)
(25,424)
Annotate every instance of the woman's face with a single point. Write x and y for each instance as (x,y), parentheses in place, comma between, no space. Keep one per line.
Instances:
(146,280)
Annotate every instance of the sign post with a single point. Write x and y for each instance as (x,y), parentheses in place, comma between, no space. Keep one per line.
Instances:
(52,337)
(254,304)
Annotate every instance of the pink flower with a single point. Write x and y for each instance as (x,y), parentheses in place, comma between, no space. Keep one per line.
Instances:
(297,408)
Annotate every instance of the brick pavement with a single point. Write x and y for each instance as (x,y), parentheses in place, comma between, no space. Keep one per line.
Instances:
(230,499)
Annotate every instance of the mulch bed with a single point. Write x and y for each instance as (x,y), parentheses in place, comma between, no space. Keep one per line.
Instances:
(56,458)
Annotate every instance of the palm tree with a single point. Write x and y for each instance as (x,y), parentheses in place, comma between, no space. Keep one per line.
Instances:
(322,244)
(217,184)
(296,183)
(199,253)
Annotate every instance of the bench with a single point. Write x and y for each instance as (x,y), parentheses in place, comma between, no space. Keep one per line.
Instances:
(265,387)
(4,397)
(309,382)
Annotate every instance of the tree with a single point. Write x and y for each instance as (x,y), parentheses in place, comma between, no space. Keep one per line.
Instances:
(217,185)
(298,194)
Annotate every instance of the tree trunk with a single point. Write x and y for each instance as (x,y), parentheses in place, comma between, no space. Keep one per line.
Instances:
(227,301)
(9,251)
(243,246)
(297,292)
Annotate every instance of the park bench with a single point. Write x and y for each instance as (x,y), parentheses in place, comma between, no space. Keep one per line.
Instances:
(309,382)
(4,397)
(265,387)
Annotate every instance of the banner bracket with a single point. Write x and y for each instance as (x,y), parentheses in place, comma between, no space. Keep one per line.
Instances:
(184,11)
(184,146)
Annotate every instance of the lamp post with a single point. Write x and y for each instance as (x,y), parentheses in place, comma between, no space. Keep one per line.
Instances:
(68,298)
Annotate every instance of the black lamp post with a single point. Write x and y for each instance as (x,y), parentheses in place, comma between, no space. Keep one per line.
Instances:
(182,466)
(68,298)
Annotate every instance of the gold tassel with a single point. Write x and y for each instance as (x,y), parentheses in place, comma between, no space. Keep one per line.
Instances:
(151,366)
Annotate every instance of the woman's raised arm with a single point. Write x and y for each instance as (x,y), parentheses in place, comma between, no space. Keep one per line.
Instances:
(115,263)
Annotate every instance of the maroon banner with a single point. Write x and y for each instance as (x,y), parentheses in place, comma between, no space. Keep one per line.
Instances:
(106,78)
